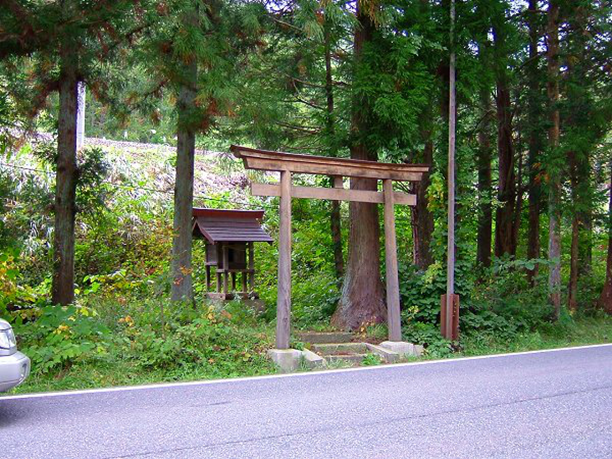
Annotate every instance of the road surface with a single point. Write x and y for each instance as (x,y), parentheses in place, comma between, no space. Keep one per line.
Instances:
(534,405)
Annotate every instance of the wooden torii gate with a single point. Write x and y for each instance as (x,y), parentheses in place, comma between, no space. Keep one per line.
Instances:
(289,163)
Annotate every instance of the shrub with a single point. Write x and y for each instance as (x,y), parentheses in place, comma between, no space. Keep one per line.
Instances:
(57,336)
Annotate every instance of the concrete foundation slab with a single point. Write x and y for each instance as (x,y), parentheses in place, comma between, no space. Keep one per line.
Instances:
(401,347)
(312,360)
(387,355)
(289,360)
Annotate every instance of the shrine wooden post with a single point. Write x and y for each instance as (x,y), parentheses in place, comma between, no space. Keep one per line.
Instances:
(288,163)
(393,301)
(283,302)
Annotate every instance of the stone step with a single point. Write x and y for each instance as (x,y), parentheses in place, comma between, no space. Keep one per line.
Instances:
(325,337)
(350,358)
(339,348)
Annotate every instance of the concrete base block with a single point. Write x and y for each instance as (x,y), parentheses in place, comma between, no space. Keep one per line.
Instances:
(286,359)
(312,360)
(387,355)
(289,360)
(401,347)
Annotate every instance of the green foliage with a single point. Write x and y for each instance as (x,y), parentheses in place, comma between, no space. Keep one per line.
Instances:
(189,337)
(150,333)
(428,335)
(93,169)
(14,293)
(57,336)
(371,360)
(498,302)
(315,290)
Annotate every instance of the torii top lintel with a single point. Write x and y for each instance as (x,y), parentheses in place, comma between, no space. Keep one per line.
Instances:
(310,164)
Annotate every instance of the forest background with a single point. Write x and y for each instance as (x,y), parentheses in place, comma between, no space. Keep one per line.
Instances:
(98,271)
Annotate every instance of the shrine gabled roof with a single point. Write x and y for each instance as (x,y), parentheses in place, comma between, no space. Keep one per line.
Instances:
(254,158)
(228,225)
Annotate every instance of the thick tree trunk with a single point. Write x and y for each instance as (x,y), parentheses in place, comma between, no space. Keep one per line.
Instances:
(586,243)
(573,281)
(422,220)
(605,299)
(182,288)
(578,159)
(572,287)
(554,195)
(534,115)
(485,215)
(336,233)
(363,292)
(335,217)
(504,216)
(65,181)
(518,207)
(506,189)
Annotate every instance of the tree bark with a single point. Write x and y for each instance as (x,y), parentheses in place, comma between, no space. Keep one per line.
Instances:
(578,158)
(605,299)
(422,220)
(336,232)
(534,116)
(362,298)
(335,217)
(518,207)
(504,216)
(182,289)
(586,243)
(554,194)
(485,153)
(575,178)
(573,281)
(66,180)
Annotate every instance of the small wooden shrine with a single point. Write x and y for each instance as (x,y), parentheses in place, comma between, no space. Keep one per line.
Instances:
(229,236)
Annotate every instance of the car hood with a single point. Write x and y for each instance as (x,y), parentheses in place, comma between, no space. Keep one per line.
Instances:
(4,324)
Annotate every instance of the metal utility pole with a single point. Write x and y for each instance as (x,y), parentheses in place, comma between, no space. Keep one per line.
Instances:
(449,316)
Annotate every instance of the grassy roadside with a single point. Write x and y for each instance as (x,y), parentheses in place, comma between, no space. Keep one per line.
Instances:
(113,369)
(583,331)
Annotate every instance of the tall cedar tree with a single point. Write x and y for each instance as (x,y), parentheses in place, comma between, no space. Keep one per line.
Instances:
(330,125)
(535,135)
(187,125)
(63,43)
(484,155)
(195,53)
(553,171)
(582,134)
(362,298)
(505,240)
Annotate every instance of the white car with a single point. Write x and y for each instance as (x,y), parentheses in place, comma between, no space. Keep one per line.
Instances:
(14,366)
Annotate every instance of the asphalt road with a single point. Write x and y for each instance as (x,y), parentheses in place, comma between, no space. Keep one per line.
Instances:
(549,404)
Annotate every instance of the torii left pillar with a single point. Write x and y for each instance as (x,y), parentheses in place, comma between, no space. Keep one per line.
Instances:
(283,301)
